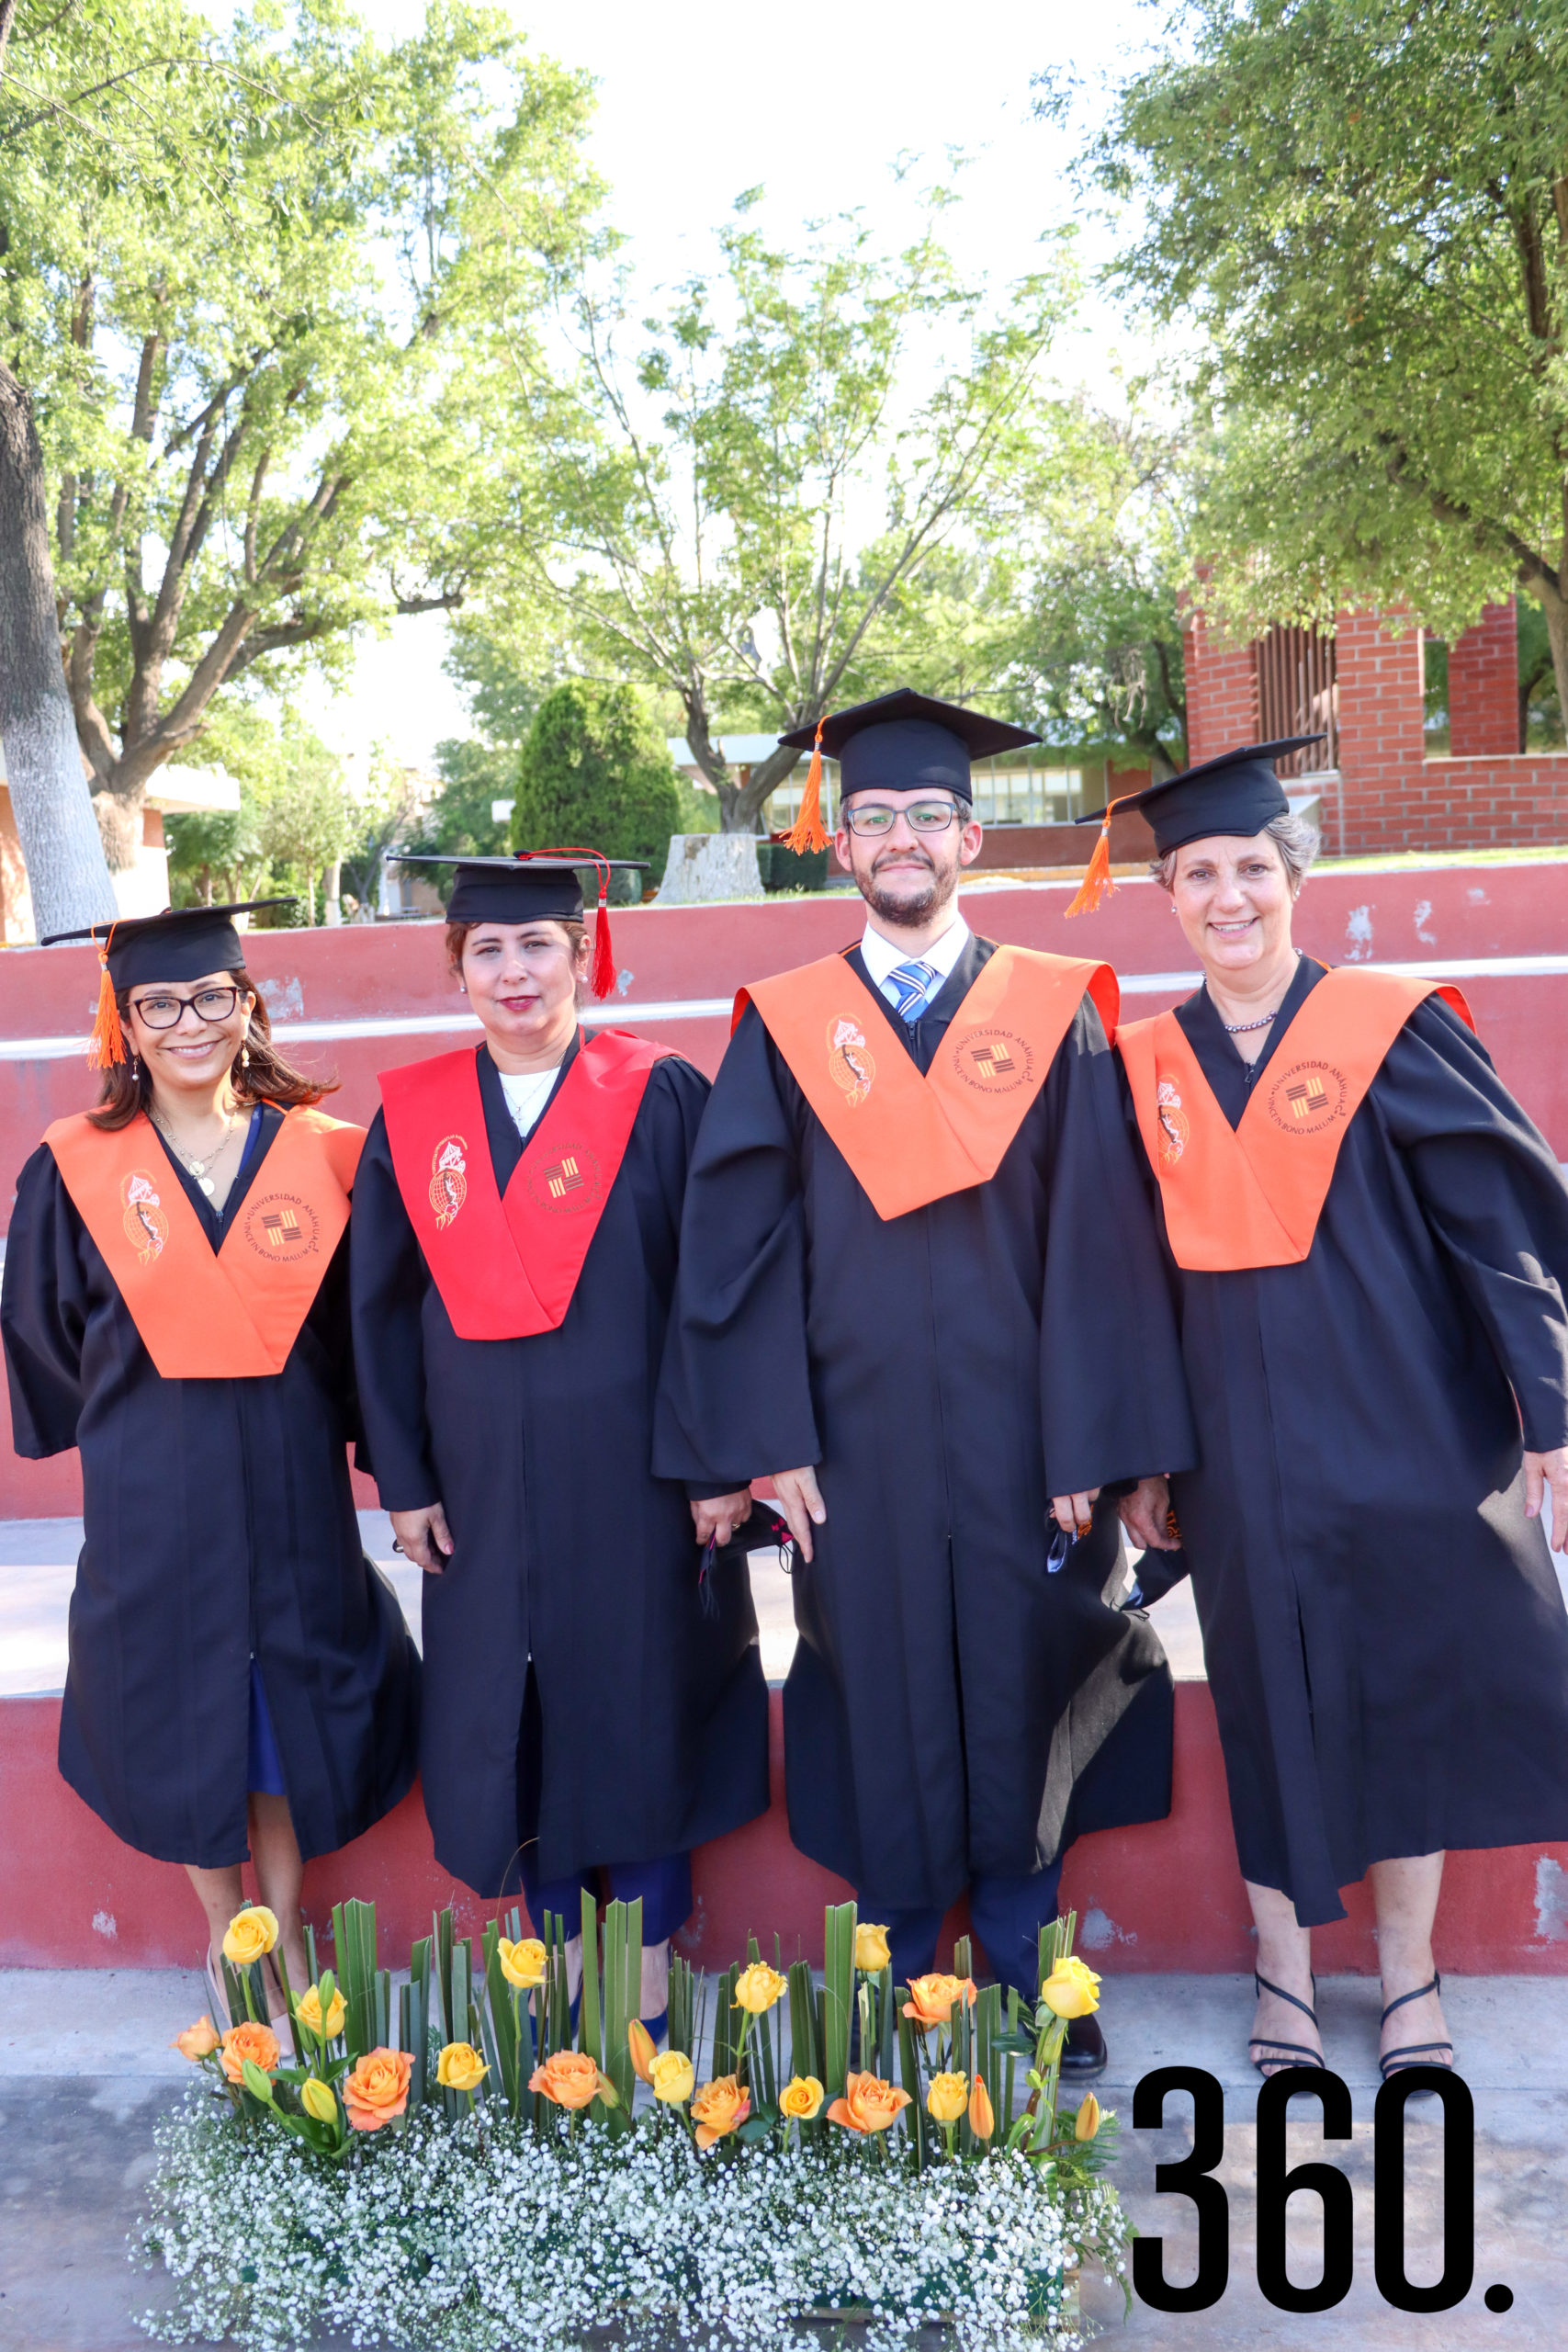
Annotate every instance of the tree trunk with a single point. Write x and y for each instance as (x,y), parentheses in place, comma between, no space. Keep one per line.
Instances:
(742,808)
(67,873)
(1555,607)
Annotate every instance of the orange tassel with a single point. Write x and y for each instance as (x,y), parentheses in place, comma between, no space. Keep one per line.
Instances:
(107,1044)
(806,832)
(1096,883)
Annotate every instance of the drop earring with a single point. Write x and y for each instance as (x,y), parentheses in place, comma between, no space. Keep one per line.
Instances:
(244,1057)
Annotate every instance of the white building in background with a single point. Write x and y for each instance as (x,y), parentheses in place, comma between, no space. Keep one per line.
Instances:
(142,888)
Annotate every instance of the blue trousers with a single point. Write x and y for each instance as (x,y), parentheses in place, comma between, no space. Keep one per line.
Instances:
(665,1888)
(1007,1914)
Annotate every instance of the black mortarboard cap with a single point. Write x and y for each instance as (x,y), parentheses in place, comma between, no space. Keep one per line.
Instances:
(522,888)
(1237,793)
(182,944)
(904,742)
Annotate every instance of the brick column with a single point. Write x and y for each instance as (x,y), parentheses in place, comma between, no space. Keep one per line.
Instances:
(1222,693)
(1483,687)
(1380,692)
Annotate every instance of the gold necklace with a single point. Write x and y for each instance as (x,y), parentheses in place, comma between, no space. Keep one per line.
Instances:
(199,1167)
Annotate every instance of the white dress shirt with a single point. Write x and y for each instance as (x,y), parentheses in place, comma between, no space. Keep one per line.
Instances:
(880,957)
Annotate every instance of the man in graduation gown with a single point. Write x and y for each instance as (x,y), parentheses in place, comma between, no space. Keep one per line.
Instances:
(919,1287)
(1369,1244)
(513,1252)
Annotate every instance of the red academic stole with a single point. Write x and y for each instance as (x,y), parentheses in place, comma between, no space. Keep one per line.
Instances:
(235,1313)
(1251,1195)
(506,1267)
(911,1139)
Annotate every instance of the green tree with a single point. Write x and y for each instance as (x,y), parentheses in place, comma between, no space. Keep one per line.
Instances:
(738,515)
(262,340)
(1364,206)
(594,773)
(474,776)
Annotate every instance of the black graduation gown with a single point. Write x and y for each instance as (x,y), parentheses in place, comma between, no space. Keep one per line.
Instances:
(1384,1635)
(946,1372)
(220,1523)
(646,1727)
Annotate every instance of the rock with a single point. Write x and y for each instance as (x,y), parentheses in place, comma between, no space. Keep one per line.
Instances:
(705,866)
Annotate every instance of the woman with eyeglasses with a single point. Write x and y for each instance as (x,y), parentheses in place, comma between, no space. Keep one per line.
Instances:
(241,1682)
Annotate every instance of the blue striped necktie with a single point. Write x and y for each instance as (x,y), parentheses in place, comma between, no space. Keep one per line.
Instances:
(911,984)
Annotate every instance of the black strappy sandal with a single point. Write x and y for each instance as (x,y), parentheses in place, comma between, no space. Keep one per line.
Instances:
(1299,2054)
(1414,2053)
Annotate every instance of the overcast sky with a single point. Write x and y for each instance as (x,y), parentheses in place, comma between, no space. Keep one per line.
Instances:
(701,99)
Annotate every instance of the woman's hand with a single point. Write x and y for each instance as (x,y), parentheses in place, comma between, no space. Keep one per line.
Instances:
(1144,1514)
(719,1516)
(423,1536)
(801,1502)
(1074,1512)
(1544,1470)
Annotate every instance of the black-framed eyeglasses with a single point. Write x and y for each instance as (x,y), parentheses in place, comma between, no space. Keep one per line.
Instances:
(162,1011)
(869,817)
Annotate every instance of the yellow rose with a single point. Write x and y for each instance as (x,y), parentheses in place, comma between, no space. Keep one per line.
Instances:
(981,2115)
(720,2108)
(868,2105)
(569,2079)
(948,2096)
(932,1998)
(256,2042)
(757,1987)
(672,2077)
(308,2009)
(523,1963)
(639,2042)
(252,1934)
(460,2067)
(199,2041)
(376,2091)
(319,2099)
(801,2100)
(1085,2123)
(1071,1990)
(871,1948)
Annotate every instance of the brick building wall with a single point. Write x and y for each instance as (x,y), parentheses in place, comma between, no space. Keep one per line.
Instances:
(1222,693)
(1483,687)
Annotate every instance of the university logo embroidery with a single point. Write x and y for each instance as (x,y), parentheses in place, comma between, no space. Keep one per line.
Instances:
(281,1226)
(448,1180)
(850,1063)
(145,1225)
(1307,1098)
(1176,1128)
(992,1061)
(567,1183)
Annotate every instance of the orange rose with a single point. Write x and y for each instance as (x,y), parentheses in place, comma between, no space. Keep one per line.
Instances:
(199,2041)
(932,1998)
(868,2105)
(720,2108)
(376,2091)
(639,2042)
(569,2079)
(256,2042)
(982,2114)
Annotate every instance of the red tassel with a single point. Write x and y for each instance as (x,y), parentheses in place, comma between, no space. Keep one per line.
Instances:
(806,832)
(1096,883)
(107,1044)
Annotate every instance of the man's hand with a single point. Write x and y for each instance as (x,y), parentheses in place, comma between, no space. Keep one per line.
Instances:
(800,1501)
(423,1536)
(1145,1515)
(1544,1470)
(1074,1512)
(719,1516)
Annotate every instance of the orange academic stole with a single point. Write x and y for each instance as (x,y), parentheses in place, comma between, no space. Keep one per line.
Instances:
(230,1315)
(911,1139)
(1251,1195)
(506,1267)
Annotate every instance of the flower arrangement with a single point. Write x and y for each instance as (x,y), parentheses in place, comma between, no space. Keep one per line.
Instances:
(496,2173)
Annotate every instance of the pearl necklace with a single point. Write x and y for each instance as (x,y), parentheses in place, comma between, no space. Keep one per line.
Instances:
(1240,1028)
(199,1167)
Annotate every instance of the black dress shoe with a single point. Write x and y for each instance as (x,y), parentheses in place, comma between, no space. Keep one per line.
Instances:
(1084,2053)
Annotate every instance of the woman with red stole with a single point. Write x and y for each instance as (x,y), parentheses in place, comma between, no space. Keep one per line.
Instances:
(1369,1244)
(175,1307)
(589,1708)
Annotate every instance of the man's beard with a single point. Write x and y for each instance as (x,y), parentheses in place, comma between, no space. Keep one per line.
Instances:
(910,913)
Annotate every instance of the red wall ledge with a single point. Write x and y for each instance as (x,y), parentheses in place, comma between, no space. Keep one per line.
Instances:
(1168,1896)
